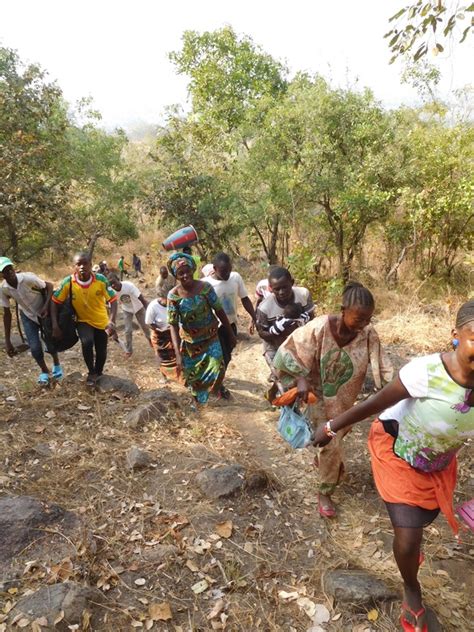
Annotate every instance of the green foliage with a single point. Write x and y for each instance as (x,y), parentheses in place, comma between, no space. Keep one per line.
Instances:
(61,181)
(424,24)
(228,75)
(33,124)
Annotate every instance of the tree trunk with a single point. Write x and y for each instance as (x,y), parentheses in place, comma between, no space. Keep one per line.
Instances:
(92,243)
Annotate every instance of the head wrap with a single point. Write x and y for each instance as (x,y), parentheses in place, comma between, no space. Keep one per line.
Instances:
(179,259)
(465,314)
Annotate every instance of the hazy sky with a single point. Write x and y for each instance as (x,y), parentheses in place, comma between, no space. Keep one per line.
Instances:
(116,50)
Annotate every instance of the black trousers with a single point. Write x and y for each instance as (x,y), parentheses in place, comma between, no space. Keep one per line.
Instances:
(93,339)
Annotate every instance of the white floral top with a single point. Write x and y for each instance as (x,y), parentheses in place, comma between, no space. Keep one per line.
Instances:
(436,420)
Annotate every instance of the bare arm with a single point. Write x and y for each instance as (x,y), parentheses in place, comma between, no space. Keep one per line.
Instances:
(175,339)
(143,301)
(388,396)
(7,324)
(113,312)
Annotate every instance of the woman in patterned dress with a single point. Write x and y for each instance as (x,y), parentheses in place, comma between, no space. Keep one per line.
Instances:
(426,415)
(330,356)
(192,310)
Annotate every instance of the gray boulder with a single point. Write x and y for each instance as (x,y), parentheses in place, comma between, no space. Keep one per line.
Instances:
(156,406)
(358,587)
(112,383)
(32,529)
(137,458)
(221,481)
(50,601)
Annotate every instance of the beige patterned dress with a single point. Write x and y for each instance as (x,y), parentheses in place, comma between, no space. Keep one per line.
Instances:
(336,374)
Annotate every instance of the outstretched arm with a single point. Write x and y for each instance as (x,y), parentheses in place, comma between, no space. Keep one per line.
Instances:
(388,396)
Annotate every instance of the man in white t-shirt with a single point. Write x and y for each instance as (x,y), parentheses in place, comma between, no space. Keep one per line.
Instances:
(272,308)
(33,296)
(133,304)
(229,288)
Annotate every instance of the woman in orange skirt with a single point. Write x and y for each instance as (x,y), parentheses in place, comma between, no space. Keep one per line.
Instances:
(425,415)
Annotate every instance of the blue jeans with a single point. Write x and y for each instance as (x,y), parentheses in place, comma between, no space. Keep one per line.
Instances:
(32,333)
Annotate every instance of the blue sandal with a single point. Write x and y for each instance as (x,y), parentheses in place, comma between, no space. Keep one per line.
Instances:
(58,373)
(43,379)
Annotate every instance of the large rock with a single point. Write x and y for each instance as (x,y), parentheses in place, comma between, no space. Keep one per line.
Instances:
(51,601)
(358,587)
(221,481)
(137,458)
(32,529)
(112,383)
(156,406)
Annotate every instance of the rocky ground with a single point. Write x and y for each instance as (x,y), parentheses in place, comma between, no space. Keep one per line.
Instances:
(125,508)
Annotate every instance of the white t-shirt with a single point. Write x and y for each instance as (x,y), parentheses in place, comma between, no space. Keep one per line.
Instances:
(207,270)
(128,297)
(436,420)
(263,289)
(228,292)
(27,294)
(157,314)
(269,311)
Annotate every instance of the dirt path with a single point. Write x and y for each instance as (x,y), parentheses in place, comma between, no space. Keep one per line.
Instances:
(278,541)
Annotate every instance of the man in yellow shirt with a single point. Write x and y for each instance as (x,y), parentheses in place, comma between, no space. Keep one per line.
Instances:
(90,296)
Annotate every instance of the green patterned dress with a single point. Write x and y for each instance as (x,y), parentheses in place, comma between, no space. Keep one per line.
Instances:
(203,363)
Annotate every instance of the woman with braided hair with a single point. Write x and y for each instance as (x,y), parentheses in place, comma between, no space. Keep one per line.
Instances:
(193,310)
(330,356)
(425,414)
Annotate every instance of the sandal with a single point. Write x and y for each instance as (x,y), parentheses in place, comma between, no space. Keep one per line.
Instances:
(57,372)
(43,379)
(91,379)
(325,511)
(407,625)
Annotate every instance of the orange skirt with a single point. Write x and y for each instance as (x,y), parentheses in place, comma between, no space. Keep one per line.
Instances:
(398,482)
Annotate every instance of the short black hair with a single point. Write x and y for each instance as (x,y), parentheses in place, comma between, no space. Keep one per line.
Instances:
(357,295)
(278,272)
(221,257)
(187,250)
(84,254)
(465,314)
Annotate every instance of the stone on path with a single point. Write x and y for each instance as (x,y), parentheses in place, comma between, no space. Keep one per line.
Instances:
(160,552)
(51,601)
(221,481)
(157,404)
(358,587)
(110,383)
(137,458)
(32,529)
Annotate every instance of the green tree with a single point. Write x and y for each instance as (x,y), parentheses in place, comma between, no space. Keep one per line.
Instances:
(33,129)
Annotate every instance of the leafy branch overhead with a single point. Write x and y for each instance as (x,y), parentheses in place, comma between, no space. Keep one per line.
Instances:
(424,25)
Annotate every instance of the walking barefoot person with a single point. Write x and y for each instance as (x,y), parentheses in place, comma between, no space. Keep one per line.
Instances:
(330,356)
(90,296)
(192,309)
(428,414)
(33,296)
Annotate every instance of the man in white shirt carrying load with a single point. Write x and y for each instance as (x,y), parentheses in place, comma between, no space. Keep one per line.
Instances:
(133,304)
(33,296)
(229,287)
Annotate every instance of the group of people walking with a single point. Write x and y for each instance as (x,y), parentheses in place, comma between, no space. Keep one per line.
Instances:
(425,413)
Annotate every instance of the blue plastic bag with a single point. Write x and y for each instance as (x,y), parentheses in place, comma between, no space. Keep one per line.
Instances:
(294,427)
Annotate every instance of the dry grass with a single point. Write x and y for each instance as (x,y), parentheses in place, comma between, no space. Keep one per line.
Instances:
(291,549)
